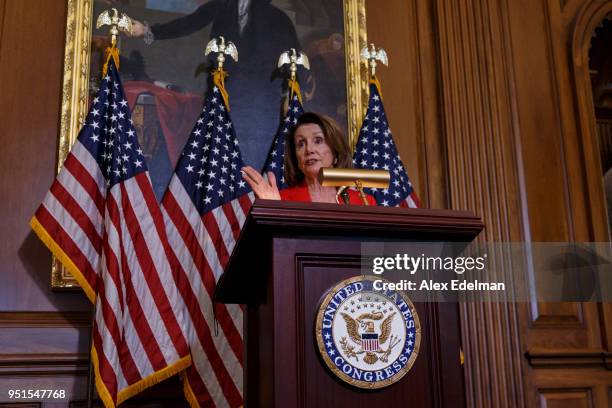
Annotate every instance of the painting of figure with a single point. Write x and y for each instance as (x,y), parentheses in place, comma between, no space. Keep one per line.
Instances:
(165,72)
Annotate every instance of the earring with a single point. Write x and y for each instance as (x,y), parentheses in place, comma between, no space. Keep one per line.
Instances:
(335,161)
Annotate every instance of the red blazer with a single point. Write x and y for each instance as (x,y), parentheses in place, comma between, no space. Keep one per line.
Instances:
(300,192)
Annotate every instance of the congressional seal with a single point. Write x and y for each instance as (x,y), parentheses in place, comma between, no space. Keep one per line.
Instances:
(368,338)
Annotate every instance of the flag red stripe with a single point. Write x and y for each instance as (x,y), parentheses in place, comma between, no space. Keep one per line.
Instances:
(108,313)
(199,388)
(130,370)
(128,366)
(415,198)
(80,173)
(206,274)
(104,367)
(137,315)
(228,210)
(200,325)
(67,244)
(210,223)
(139,320)
(227,386)
(246,203)
(155,284)
(206,341)
(223,377)
(405,203)
(112,263)
(77,213)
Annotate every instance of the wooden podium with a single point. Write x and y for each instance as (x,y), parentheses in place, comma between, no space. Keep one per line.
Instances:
(288,255)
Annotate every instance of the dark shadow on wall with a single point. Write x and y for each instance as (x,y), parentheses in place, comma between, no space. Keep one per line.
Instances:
(36,259)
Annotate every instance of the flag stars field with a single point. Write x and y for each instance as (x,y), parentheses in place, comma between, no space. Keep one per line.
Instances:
(275,160)
(375,149)
(211,154)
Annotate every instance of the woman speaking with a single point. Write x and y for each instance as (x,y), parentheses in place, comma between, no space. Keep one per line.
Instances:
(315,142)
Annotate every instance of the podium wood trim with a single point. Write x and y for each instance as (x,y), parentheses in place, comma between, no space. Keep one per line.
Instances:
(242,281)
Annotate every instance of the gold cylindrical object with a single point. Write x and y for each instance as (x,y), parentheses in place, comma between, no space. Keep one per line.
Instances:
(335,177)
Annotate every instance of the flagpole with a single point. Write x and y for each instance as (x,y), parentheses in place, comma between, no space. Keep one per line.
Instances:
(369,55)
(90,371)
(115,21)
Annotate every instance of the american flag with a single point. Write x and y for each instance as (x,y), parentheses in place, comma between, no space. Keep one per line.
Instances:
(376,150)
(101,220)
(205,207)
(275,162)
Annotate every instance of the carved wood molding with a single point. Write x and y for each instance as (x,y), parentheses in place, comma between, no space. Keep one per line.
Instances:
(484,164)
(566,397)
(587,19)
(453,224)
(43,364)
(569,358)
(558,321)
(74,99)
(45,319)
(302,262)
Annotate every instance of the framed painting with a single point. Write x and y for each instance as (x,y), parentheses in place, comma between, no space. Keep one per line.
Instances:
(165,73)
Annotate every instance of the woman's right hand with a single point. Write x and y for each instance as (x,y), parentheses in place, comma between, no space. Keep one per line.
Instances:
(262,188)
(137,30)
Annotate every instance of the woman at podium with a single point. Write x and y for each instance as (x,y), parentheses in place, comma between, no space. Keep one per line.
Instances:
(315,142)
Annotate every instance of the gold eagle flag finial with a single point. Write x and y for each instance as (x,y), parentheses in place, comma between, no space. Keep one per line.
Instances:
(371,54)
(222,48)
(293,58)
(116,22)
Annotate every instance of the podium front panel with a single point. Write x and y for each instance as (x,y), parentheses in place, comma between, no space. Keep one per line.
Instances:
(284,366)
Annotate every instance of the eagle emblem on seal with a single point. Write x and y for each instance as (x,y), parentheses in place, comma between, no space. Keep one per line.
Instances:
(370,339)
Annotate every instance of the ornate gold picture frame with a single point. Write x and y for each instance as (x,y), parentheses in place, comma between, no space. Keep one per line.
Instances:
(76,82)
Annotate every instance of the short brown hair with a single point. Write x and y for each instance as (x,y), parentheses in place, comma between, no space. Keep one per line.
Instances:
(333,137)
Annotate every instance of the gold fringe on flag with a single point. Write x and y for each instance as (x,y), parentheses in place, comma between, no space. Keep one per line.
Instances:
(374,80)
(110,52)
(219,76)
(294,89)
(59,253)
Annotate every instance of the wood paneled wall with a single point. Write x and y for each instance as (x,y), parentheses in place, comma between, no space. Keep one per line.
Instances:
(514,140)
(411,93)
(489,105)
(43,335)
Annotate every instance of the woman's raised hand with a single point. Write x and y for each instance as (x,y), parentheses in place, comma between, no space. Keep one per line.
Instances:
(137,29)
(262,188)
